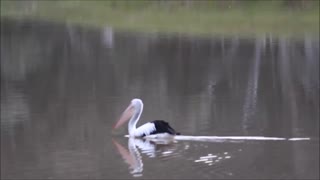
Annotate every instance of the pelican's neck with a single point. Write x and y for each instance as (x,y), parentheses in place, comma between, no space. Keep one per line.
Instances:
(135,118)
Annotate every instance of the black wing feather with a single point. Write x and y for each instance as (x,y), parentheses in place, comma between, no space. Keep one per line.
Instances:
(163,127)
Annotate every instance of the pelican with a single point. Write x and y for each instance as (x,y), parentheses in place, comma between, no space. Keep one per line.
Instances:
(133,112)
(159,129)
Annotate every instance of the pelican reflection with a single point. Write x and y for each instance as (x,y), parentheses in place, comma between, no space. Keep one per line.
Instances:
(150,148)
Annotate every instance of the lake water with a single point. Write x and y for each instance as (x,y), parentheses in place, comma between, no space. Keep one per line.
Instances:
(63,87)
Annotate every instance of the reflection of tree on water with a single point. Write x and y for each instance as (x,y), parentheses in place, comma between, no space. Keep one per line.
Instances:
(252,88)
(14,108)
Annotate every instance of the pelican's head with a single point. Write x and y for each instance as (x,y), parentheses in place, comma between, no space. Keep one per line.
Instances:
(136,102)
(135,106)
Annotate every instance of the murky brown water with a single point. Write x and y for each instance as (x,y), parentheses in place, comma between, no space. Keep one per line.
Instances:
(63,87)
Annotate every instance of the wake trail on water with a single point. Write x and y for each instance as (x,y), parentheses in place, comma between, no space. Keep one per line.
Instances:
(220,138)
(255,138)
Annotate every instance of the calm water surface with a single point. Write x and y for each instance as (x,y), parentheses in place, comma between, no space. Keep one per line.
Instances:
(63,87)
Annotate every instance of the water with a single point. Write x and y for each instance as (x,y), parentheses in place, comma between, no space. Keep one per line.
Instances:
(63,87)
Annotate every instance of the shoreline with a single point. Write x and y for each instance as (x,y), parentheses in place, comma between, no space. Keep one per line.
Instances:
(189,21)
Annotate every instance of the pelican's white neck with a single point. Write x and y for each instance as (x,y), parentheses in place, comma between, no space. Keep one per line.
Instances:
(138,108)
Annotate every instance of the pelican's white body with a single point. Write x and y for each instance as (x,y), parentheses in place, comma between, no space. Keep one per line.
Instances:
(147,128)
(133,113)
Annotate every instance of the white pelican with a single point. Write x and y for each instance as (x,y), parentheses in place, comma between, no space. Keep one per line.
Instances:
(133,112)
(159,129)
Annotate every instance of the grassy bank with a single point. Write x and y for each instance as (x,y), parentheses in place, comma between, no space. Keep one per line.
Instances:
(191,17)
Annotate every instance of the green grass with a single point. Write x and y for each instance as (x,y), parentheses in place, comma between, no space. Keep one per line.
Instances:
(255,18)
